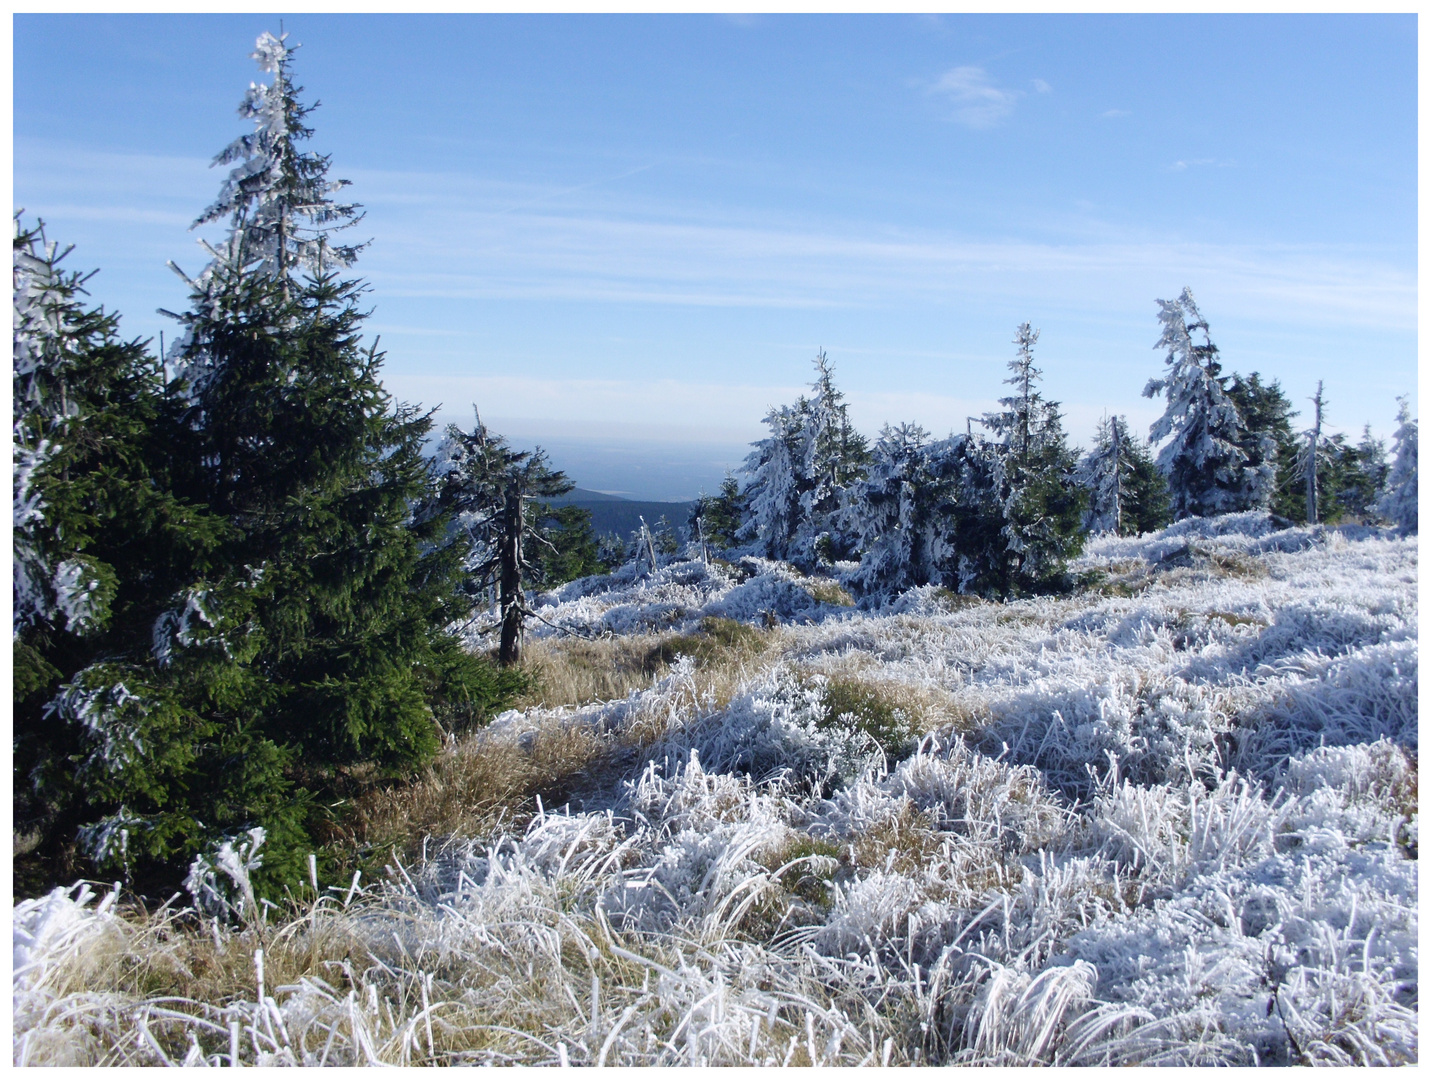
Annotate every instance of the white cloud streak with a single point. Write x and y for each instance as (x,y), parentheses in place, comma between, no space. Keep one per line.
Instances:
(977,102)
(445,236)
(601,257)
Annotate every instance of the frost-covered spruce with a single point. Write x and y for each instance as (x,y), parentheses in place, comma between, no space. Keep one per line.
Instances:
(102,547)
(488,488)
(1126,493)
(71,373)
(1033,482)
(798,472)
(836,455)
(1103,471)
(772,494)
(285,617)
(1398,502)
(902,515)
(42,303)
(1207,471)
(279,203)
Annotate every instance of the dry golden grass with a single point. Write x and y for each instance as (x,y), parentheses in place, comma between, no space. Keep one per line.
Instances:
(472,789)
(576,671)
(491,781)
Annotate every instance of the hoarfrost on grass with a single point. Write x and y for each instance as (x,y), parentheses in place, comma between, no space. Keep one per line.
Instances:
(1171,819)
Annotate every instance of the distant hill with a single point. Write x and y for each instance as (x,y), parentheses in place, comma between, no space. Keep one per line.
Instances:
(586,495)
(613,514)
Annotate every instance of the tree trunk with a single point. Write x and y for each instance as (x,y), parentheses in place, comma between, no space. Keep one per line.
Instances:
(1315,435)
(512,600)
(1117,481)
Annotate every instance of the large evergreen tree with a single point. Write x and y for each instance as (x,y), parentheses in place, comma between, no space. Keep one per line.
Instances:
(101,545)
(1206,468)
(294,629)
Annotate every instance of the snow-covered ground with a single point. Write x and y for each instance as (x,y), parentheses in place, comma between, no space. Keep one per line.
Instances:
(1168,819)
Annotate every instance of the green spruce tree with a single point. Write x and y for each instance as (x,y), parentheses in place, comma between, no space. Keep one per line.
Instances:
(1039,500)
(1269,444)
(289,638)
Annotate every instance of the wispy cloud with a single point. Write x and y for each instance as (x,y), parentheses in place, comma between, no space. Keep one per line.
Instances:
(1041,86)
(1114,114)
(977,102)
(617,251)
(1217,163)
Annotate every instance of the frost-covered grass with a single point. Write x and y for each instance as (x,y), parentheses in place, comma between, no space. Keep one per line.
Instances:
(1169,819)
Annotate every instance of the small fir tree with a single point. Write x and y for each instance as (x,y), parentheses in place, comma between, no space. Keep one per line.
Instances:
(1127,495)
(1357,476)
(492,491)
(836,456)
(799,472)
(1205,466)
(773,514)
(1040,500)
(719,515)
(1398,500)
(570,549)
(901,514)
(1267,441)
(1103,472)
(1146,504)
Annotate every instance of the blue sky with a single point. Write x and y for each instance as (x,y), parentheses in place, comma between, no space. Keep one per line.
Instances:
(625,237)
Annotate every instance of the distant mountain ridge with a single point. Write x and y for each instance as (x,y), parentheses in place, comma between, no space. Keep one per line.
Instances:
(586,495)
(621,516)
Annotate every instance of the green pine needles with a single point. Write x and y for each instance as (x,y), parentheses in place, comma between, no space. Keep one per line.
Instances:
(238,597)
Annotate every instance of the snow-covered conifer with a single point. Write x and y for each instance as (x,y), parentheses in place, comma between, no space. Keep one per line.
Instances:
(280,599)
(43,300)
(715,519)
(1265,415)
(1025,418)
(836,455)
(278,201)
(490,489)
(1040,501)
(1358,475)
(776,471)
(1206,469)
(798,473)
(1103,472)
(1398,501)
(902,513)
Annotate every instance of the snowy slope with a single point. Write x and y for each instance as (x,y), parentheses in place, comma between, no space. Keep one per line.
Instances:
(1169,819)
